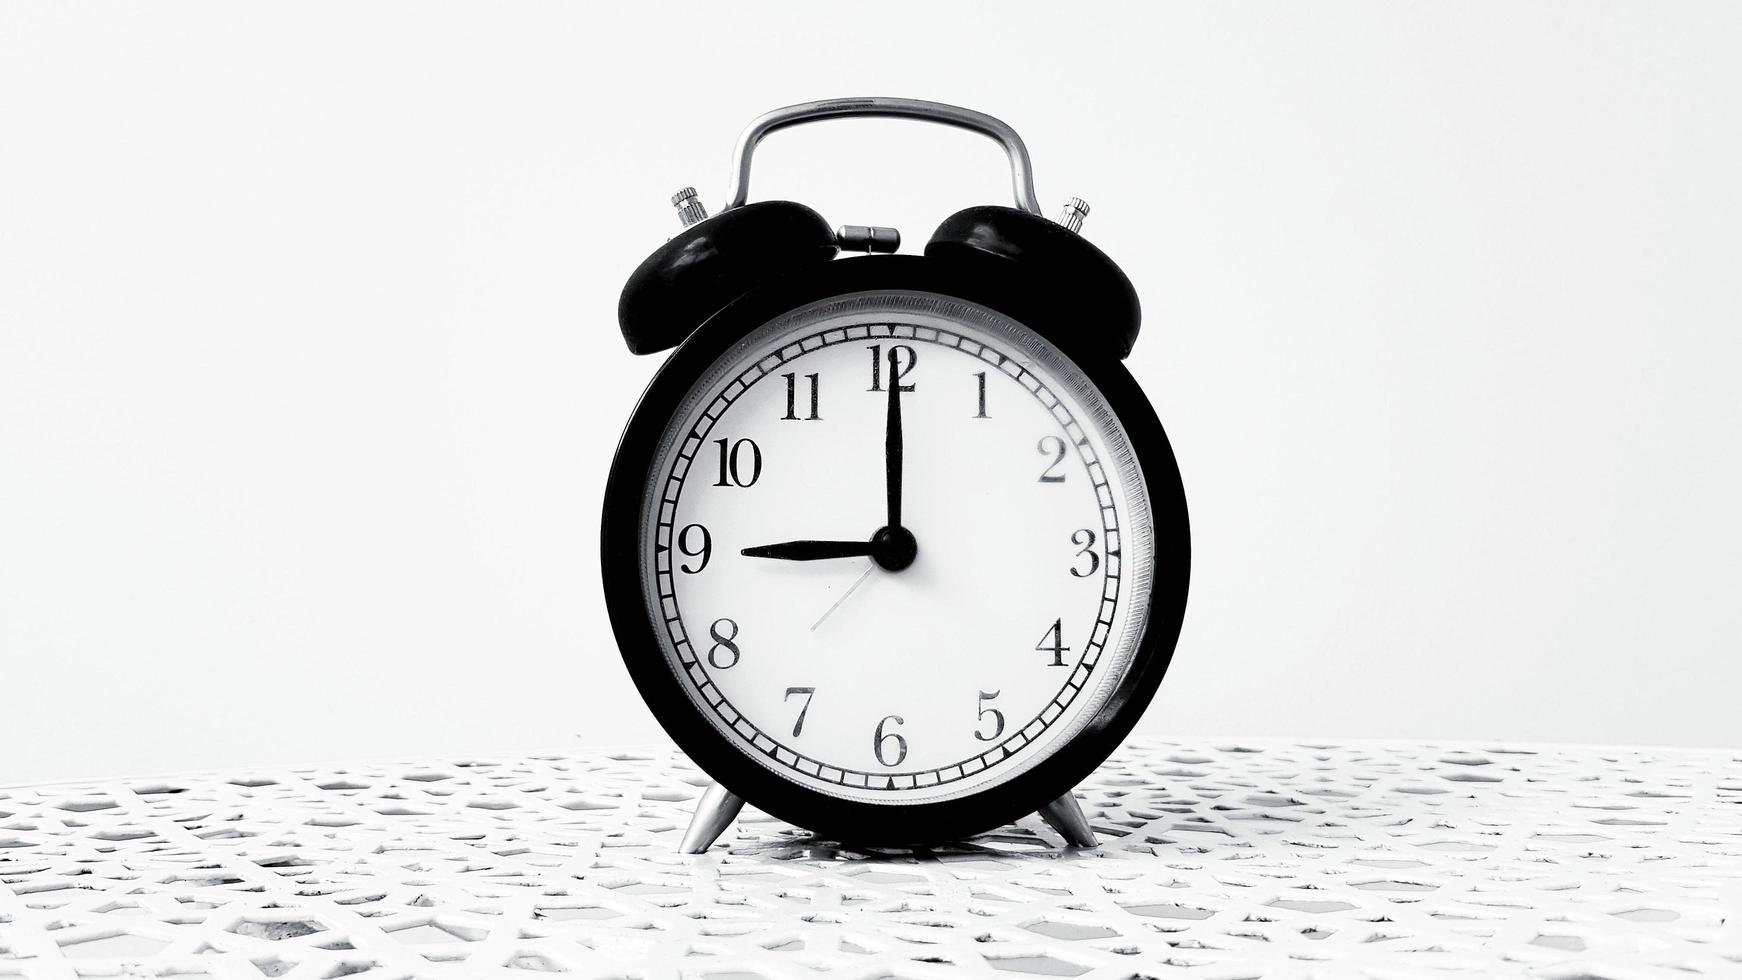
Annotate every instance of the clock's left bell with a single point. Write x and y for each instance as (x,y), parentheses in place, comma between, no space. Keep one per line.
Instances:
(714,261)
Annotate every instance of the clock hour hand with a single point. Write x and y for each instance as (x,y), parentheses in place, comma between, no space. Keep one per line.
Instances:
(811,550)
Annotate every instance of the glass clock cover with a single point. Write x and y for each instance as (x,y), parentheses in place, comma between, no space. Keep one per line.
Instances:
(878,681)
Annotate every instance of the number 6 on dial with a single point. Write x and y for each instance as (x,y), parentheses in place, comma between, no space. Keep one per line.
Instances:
(882,740)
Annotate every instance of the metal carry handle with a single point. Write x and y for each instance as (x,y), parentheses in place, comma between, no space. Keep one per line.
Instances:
(1021,172)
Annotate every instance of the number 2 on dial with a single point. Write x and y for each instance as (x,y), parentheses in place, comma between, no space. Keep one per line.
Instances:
(1055,447)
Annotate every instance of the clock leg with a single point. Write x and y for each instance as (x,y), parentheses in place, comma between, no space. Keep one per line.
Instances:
(1064,816)
(715,811)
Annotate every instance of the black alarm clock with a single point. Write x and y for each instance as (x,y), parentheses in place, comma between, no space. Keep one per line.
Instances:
(894,547)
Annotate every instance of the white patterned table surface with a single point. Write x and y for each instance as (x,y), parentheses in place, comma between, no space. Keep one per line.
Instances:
(1220,860)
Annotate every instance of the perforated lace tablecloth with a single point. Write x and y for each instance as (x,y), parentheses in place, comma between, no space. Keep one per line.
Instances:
(1220,860)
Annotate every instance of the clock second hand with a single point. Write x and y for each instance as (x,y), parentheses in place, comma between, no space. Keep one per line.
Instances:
(850,590)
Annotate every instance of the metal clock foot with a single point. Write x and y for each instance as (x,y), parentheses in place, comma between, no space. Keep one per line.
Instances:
(715,811)
(1066,817)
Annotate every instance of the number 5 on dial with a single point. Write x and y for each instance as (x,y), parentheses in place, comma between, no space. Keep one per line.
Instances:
(997,718)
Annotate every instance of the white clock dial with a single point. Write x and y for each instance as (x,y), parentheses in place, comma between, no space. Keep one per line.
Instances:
(1021,610)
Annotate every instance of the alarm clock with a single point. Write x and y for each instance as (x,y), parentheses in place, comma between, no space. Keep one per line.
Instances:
(894,547)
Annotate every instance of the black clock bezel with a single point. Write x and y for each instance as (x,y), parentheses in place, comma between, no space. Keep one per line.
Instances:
(830,816)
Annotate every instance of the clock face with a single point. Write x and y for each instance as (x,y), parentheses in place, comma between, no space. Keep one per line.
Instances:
(896,678)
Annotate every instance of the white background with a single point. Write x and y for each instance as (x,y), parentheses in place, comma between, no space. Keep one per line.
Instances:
(309,374)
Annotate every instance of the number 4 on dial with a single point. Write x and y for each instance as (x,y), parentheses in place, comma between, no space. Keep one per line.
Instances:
(1053,642)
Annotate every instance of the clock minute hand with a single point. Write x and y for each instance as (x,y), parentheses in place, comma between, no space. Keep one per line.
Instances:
(892,443)
(811,550)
